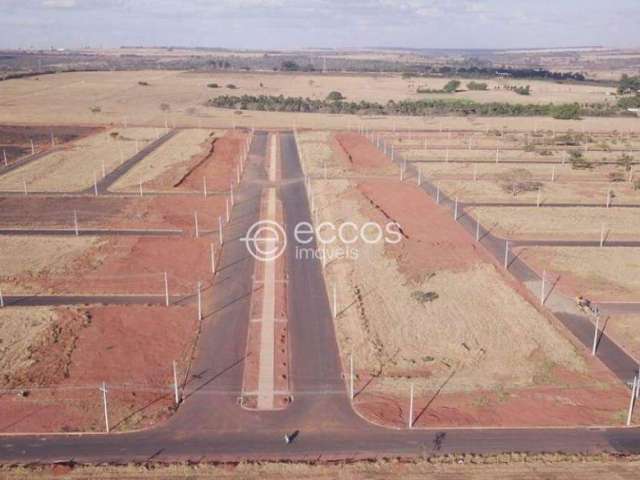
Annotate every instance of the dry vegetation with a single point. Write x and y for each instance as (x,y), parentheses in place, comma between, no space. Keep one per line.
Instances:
(598,273)
(25,260)
(69,98)
(21,331)
(77,167)
(584,223)
(169,162)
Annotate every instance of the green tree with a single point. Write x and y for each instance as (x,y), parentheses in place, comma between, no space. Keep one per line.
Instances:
(335,96)
(451,86)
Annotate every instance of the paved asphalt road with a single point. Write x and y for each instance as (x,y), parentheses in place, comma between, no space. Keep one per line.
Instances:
(210,425)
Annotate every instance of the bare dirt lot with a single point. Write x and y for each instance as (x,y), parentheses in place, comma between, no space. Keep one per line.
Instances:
(442,317)
(70,352)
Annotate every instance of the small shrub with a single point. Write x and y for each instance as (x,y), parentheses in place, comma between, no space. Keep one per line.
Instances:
(335,96)
(518,180)
(477,86)
(424,297)
(451,86)
(578,162)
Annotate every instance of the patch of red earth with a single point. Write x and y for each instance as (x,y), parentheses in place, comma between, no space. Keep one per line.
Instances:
(129,348)
(544,406)
(565,398)
(217,164)
(359,152)
(151,212)
(431,240)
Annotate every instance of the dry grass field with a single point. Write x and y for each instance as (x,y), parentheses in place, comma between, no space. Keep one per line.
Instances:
(597,273)
(26,259)
(21,331)
(77,167)
(558,192)
(70,98)
(624,330)
(169,162)
(584,223)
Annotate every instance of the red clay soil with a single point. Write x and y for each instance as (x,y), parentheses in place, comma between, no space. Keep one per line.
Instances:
(359,152)
(131,349)
(164,212)
(217,164)
(573,399)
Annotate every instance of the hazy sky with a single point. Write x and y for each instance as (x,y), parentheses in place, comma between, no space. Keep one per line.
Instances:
(320,23)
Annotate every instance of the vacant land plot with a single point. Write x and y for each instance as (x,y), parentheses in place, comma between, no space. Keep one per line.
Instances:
(625,330)
(596,273)
(30,258)
(15,141)
(79,166)
(574,192)
(70,352)
(578,223)
(168,164)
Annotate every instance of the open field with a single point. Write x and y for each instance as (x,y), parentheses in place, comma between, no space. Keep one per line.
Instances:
(582,223)
(434,312)
(164,167)
(596,273)
(80,165)
(69,98)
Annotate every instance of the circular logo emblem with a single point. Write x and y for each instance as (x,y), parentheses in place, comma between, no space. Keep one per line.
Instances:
(266,240)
